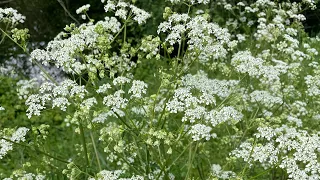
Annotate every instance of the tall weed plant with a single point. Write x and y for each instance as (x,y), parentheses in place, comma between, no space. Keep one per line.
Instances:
(226,90)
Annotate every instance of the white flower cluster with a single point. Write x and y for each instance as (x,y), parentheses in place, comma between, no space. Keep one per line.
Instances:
(2,108)
(120,80)
(83,9)
(11,15)
(102,117)
(193,105)
(35,104)
(310,3)
(138,14)
(114,175)
(181,100)
(200,131)
(137,89)
(58,94)
(313,84)
(21,174)
(227,113)
(217,171)
(17,136)
(244,62)
(115,101)
(209,87)
(103,88)
(63,52)
(208,39)
(265,98)
(151,46)
(25,86)
(190,1)
(88,103)
(296,151)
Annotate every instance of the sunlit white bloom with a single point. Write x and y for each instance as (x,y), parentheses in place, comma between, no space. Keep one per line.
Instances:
(218,172)
(138,88)
(115,100)
(61,103)
(227,113)
(88,103)
(287,147)
(5,146)
(103,88)
(25,86)
(265,98)
(19,134)
(11,15)
(140,15)
(122,13)
(83,9)
(191,1)
(102,117)
(200,131)
(120,80)
(34,103)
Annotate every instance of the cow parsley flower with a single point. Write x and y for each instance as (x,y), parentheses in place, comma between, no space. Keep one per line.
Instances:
(190,1)
(88,103)
(5,146)
(103,88)
(200,131)
(83,9)
(265,98)
(17,136)
(11,15)
(296,151)
(115,101)
(227,113)
(25,87)
(34,103)
(140,15)
(138,88)
(121,80)
(221,174)
(61,103)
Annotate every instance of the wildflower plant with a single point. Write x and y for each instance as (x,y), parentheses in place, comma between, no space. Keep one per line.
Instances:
(227,95)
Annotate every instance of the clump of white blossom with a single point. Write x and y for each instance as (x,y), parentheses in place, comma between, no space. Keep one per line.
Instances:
(16,137)
(11,16)
(295,151)
(217,171)
(114,175)
(122,10)
(243,79)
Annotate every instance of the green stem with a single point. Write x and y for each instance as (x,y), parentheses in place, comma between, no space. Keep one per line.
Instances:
(84,143)
(34,61)
(37,150)
(247,164)
(125,33)
(190,159)
(148,160)
(95,151)
(66,10)
(174,161)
